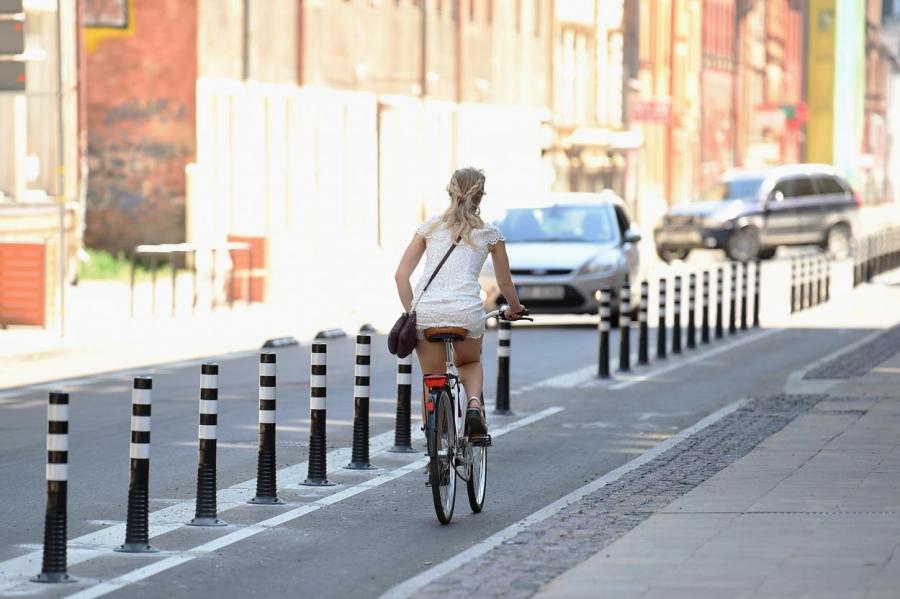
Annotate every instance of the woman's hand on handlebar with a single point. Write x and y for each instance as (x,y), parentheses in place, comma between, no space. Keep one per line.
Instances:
(512,315)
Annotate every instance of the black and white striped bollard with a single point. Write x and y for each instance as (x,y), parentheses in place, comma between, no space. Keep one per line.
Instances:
(53,566)
(643,332)
(359,456)
(704,309)
(504,338)
(692,309)
(744,293)
(676,318)
(793,285)
(603,327)
(625,327)
(137,529)
(266,476)
(205,512)
(720,293)
(810,281)
(402,438)
(820,279)
(757,277)
(804,297)
(317,471)
(661,325)
(732,301)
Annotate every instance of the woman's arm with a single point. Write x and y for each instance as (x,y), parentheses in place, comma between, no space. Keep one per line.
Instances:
(504,277)
(408,263)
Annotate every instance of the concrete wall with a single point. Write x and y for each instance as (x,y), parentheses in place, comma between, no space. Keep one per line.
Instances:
(140,110)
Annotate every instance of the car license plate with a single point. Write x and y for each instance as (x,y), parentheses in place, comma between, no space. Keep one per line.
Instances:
(541,292)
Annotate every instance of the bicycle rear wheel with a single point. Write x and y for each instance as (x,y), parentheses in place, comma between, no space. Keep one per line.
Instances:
(441,445)
(476,485)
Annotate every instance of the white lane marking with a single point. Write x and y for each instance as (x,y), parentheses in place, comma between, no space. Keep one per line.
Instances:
(98,543)
(678,363)
(414,584)
(252,530)
(797,385)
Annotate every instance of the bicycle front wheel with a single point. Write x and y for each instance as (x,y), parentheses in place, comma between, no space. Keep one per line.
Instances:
(476,485)
(441,446)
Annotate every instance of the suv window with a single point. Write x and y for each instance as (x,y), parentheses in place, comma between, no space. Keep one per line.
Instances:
(795,187)
(829,185)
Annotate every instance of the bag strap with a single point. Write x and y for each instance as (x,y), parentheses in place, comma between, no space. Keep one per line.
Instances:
(437,270)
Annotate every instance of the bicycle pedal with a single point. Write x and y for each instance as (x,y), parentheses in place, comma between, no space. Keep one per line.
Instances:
(481,440)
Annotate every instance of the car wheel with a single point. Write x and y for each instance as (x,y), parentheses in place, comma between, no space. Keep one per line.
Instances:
(766,254)
(668,254)
(837,242)
(743,245)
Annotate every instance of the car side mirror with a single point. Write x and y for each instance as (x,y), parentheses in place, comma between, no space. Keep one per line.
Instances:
(776,196)
(631,236)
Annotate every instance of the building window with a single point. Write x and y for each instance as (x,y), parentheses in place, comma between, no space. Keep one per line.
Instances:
(490,11)
(106,13)
(471,11)
(518,15)
(455,9)
(536,17)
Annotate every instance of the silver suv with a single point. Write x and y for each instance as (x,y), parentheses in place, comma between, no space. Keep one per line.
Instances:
(750,213)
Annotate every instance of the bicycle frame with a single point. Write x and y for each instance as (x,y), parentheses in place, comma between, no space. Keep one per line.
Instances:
(449,381)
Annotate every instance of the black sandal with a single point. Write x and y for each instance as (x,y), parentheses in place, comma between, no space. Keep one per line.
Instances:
(476,425)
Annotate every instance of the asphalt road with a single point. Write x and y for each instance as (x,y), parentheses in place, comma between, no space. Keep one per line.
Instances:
(358,538)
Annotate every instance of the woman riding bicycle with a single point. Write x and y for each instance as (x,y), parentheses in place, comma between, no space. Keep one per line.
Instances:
(453,298)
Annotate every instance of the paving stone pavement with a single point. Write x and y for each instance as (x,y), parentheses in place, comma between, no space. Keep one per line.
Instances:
(861,360)
(524,563)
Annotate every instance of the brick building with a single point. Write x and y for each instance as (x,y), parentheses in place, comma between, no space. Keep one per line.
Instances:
(141,71)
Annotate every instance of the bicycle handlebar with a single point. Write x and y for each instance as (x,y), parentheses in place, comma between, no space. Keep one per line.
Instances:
(498,314)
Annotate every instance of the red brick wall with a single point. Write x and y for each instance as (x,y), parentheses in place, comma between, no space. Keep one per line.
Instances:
(140,117)
(717,128)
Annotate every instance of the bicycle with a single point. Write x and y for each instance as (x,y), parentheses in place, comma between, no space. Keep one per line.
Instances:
(452,455)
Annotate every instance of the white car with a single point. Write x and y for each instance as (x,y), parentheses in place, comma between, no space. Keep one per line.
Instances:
(565,249)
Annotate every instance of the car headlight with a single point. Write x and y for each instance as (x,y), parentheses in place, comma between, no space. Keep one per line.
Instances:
(601,264)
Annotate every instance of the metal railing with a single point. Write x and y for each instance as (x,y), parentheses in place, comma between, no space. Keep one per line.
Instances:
(171,250)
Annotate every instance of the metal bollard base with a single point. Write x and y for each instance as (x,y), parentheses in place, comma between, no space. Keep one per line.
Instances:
(317,482)
(501,412)
(207,521)
(402,449)
(136,548)
(265,501)
(360,466)
(53,577)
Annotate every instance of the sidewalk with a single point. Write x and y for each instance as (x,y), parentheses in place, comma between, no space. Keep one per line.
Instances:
(812,511)
(101,335)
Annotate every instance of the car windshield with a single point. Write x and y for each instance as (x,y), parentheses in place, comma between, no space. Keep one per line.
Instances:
(735,189)
(591,224)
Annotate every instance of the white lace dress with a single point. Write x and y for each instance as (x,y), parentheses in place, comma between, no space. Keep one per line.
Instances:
(454,297)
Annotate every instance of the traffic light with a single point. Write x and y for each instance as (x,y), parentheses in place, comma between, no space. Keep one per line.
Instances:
(12,46)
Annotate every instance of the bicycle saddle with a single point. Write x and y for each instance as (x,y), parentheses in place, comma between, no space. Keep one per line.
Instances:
(441,334)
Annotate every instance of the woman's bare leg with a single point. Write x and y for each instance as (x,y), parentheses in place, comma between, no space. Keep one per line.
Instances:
(431,360)
(467,357)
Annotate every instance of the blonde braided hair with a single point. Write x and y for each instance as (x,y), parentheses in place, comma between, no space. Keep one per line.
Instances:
(466,188)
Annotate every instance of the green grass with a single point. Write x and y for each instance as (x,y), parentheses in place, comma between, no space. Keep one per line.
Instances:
(104,266)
